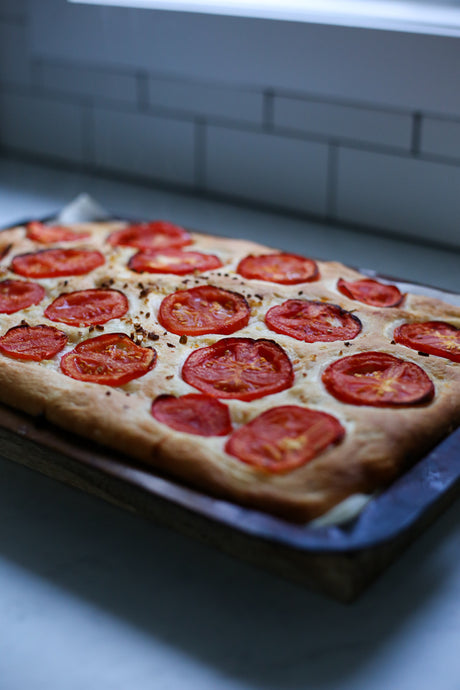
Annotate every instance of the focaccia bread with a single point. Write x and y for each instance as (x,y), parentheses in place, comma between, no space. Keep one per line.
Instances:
(270,379)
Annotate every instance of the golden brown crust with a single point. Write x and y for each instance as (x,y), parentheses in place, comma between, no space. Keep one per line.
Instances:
(379,442)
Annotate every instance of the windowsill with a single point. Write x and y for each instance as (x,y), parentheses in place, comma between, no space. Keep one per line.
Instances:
(416,16)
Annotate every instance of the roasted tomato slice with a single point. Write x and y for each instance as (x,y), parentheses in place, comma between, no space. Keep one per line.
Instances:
(204,309)
(433,337)
(197,414)
(284,438)
(287,269)
(158,234)
(19,294)
(54,263)
(378,379)
(313,321)
(111,359)
(32,342)
(87,307)
(240,368)
(48,234)
(173,261)
(371,292)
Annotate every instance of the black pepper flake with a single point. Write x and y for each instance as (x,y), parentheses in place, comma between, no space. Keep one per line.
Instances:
(125,286)
(108,393)
(99,327)
(170,345)
(168,378)
(24,323)
(153,336)
(183,340)
(147,316)
(393,342)
(423,354)
(90,329)
(347,344)
(66,282)
(300,292)
(258,296)
(140,286)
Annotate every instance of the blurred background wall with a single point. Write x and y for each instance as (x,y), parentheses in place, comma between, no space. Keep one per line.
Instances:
(346,125)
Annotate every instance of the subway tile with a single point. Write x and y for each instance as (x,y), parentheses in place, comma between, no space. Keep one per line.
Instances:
(372,125)
(206,99)
(14,54)
(95,82)
(410,196)
(440,137)
(280,171)
(145,145)
(42,126)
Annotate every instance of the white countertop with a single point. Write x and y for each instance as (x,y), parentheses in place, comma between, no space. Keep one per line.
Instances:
(94,597)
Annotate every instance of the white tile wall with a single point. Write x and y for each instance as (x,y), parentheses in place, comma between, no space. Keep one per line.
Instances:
(371,125)
(209,100)
(261,111)
(145,145)
(291,173)
(441,137)
(42,126)
(406,195)
(97,83)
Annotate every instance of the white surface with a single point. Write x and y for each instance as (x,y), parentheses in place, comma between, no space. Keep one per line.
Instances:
(93,597)
(415,16)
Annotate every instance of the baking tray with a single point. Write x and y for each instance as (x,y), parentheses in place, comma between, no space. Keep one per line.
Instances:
(340,560)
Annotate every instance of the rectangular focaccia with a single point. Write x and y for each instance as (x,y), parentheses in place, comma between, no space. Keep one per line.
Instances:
(266,378)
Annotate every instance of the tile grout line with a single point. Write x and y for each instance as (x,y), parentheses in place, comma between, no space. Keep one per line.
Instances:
(200,153)
(268,110)
(332,179)
(88,134)
(415,147)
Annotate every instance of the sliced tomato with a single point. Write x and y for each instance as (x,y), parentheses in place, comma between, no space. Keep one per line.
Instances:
(157,234)
(371,292)
(87,307)
(19,294)
(433,337)
(55,263)
(204,309)
(378,379)
(111,359)
(240,368)
(284,438)
(32,342)
(313,321)
(48,234)
(193,414)
(287,269)
(173,261)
